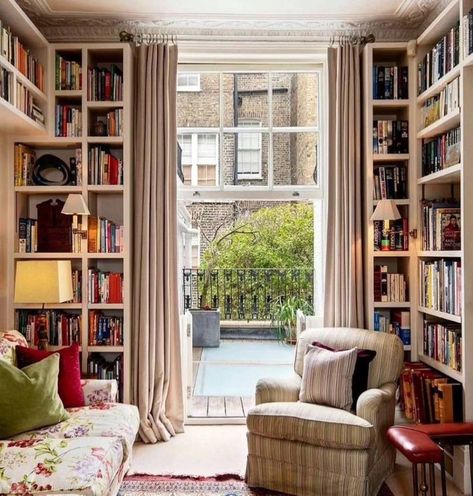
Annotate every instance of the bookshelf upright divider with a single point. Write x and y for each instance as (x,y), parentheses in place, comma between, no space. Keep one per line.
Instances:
(105,186)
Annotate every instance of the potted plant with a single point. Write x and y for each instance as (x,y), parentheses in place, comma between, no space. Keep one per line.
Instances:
(205,327)
(286,315)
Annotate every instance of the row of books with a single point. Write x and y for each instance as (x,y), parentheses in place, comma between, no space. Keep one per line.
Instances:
(388,286)
(105,330)
(27,235)
(390,81)
(441,225)
(6,87)
(15,52)
(114,122)
(104,236)
(68,120)
(428,397)
(98,367)
(440,285)
(63,328)
(443,343)
(467,26)
(395,239)
(442,104)
(441,152)
(390,136)
(443,57)
(104,167)
(394,322)
(104,84)
(390,182)
(68,74)
(24,103)
(76,286)
(105,287)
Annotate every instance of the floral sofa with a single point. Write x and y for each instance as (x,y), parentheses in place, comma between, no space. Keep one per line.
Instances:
(89,453)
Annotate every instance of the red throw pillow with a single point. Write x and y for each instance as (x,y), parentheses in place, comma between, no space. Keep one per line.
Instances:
(360,375)
(69,386)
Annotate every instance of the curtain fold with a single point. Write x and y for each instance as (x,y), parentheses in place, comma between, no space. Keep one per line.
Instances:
(156,360)
(343,304)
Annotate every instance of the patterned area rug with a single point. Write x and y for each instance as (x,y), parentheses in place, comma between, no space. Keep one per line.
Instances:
(228,485)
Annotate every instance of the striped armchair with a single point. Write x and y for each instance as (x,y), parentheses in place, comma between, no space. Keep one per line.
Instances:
(307,449)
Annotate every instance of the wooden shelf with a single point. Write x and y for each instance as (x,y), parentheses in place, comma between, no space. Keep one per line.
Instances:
(441,315)
(103,188)
(14,121)
(445,369)
(69,93)
(46,190)
(439,85)
(106,104)
(445,123)
(468,60)
(400,103)
(105,255)
(48,256)
(106,140)
(105,349)
(448,175)
(393,253)
(440,254)
(105,306)
(441,24)
(21,78)
(400,202)
(391,304)
(390,157)
(47,306)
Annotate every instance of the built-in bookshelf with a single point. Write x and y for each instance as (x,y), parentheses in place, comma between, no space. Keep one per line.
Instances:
(23,73)
(389,88)
(98,168)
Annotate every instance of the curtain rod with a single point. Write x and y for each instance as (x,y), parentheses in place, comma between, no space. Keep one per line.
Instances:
(150,38)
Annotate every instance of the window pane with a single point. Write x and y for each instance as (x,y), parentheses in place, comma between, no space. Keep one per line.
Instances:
(245,98)
(200,108)
(207,148)
(295,158)
(245,163)
(187,171)
(294,101)
(206,175)
(185,140)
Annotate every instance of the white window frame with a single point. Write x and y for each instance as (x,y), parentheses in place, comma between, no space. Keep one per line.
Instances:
(252,124)
(194,163)
(189,88)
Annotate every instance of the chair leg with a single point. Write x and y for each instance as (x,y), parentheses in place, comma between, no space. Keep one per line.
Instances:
(432,479)
(423,482)
(415,482)
(443,477)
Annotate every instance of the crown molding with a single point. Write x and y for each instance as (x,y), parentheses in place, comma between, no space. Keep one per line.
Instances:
(403,25)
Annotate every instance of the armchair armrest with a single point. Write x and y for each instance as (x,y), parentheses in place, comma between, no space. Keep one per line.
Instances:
(271,389)
(99,391)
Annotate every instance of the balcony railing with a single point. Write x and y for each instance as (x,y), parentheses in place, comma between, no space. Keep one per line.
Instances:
(246,294)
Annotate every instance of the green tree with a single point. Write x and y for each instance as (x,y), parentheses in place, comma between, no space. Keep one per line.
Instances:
(280,236)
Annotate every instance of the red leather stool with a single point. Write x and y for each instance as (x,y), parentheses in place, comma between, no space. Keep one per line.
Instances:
(422,445)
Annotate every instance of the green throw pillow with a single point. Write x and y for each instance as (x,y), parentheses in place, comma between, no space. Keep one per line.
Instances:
(29,397)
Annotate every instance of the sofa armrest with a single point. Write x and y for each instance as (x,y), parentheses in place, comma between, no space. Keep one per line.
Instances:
(270,389)
(99,391)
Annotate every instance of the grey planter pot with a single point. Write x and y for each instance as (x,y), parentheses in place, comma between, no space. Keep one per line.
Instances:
(205,328)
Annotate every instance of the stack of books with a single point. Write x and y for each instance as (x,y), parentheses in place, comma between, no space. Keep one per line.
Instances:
(27,235)
(443,343)
(105,330)
(24,160)
(390,136)
(428,397)
(389,287)
(441,152)
(104,236)
(114,122)
(6,87)
(467,27)
(105,287)
(68,121)
(442,104)
(104,167)
(390,81)
(398,235)
(63,328)
(441,225)
(440,285)
(104,84)
(443,57)
(99,368)
(14,51)
(390,182)
(394,322)
(68,74)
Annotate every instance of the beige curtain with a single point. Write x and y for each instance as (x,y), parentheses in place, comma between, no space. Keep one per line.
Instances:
(343,304)
(156,360)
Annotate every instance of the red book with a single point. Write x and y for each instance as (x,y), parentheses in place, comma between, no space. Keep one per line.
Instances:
(108,86)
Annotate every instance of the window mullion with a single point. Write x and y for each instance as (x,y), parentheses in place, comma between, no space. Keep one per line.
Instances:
(221,141)
(194,170)
(270,134)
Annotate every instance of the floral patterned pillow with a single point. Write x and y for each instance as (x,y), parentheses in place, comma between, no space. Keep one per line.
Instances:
(8,342)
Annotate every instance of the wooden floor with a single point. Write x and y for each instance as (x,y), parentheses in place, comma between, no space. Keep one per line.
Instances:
(221,406)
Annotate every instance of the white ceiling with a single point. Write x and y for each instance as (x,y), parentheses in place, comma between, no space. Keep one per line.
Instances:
(303,9)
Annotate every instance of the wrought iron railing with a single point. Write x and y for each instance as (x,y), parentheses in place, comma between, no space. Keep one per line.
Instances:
(246,294)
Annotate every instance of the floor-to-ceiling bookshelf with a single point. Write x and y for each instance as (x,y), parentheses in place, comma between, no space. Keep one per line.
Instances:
(104,200)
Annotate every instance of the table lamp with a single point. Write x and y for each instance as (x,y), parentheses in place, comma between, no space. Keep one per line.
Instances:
(75,205)
(386,210)
(43,281)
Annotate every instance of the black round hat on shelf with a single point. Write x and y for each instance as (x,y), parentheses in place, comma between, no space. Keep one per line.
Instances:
(50,170)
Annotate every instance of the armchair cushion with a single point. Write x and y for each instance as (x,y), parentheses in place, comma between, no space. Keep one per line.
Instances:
(272,389)
(312,424)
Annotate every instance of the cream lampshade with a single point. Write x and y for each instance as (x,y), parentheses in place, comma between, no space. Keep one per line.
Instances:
(386,210)
(75,205)
(43,281)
